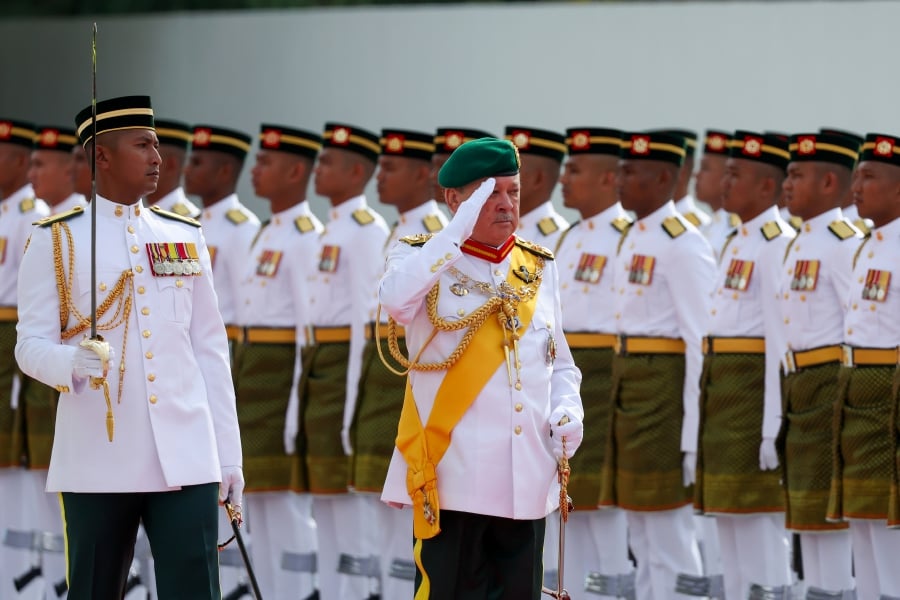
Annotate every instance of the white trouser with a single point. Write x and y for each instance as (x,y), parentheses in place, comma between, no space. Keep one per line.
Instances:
(43,513)
(14,515)
(708,544)
(827,560)
(755,549)
(280,522)
(396,545)
(664,545)
(875,552)
(596,541)
(339,520)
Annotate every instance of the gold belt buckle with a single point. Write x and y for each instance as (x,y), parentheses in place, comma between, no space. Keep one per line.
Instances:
(707,345)
(789,360)
(847,355)
(619,344)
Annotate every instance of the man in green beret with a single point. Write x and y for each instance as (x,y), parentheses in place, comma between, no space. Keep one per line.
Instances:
(488,364)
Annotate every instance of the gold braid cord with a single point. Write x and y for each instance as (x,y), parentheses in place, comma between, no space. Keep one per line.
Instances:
(121,296)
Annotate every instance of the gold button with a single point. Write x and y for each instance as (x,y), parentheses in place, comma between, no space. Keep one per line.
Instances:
(146,333)
(145,311)
(519,407)
(130,229)
(448,256)
(137,211)
(461,312)
(787,321)
(713,311)
(179,283)
(141,289)
(518,429)
(440,261)
(734,296)
(850,331)
(134,249)
(118,211)
(855,306)
(639,292)
(102,287)
(151,377)
(149,355)
(152,398)
(498,272)
(802,297)
(434,268)
(139,269)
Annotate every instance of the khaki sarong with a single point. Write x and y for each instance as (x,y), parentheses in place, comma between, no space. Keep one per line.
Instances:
(10,455)
(894,505)
(35,422)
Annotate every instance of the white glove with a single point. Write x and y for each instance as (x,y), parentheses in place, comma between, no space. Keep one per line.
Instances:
(345,441)
(232,487)
(768,457)
(562,426)
(92,358)
(689,468)
(463,222)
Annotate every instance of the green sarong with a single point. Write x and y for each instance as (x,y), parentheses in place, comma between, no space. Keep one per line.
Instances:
(10,453)
(587,464)
(894,505)
(35,422)
(375,421)
(642,468)
(729,479)
(262,383)
(323,393)
(805,445)
(861,472)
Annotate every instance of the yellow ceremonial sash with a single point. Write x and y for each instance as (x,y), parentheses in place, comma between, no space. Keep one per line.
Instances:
(423,447)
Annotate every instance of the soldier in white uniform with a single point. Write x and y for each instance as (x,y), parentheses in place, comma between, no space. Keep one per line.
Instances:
(542,154)
(217,157)
(446,140)
(684,201)
(18,210)
(815,282)
(404,181)
(865,466)
(491,402)
(663,275)
(596,540)
(740,395)
(273,309)
(174,139)
(342,308)
(81,172)
(52,172)
(146,428)
(708,188)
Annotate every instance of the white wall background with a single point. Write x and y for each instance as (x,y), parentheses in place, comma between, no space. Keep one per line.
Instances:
(789,66)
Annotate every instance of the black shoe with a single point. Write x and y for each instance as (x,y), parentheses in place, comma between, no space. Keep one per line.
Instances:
(374,597)
(313,596)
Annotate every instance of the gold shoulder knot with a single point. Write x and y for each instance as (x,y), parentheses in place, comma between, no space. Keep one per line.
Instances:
(304,224)
(843,229)
(862,226)
(771,230)
(534,248)
(26,205)
(692,218)
(180,208)
(416,240)
(63,216)
(734,220)
(432,223)
(363,216)
(547,226)
(795,222)
(673,226)
(175,216)
(236,216)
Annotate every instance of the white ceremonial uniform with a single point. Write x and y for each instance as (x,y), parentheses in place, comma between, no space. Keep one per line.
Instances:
(68,204)
(484,471)
(339,298)
(870,321)
(177,202)
(543,225)
(672,303)
(754,546)
(229,228)
(394,527)
(814,317)
(721,225)
(274,295)
(698,217)
(597,540)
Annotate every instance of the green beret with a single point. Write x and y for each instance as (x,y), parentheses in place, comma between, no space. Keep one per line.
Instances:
(478,159)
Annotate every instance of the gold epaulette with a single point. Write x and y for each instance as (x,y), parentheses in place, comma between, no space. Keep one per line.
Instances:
(175,216)
(734,220)
(363,216)
(236,216)
(432,223)
(862,226)
(418,239)
(692,218)
(534,248)
(843,229)
(180,208)
(547,226)
(63,216)
(795,222)
(771,230)
(26,205)
(304,224)
(673,226)
(621,224)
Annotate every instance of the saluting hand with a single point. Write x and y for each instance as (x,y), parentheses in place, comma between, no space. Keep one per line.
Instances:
(463,222)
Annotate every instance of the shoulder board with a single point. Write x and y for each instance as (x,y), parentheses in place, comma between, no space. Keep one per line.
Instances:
(861,225)
(26,205)
(180,208)
(304,224)
(363,216)
(673,226)
(734,220)
(63,216)
(175,216)
(842,229)
(547,226)
(416,240)
(236,216)
(432,223)
(692,218)
(771,230)
(795,222)
(534,248)
(621,224)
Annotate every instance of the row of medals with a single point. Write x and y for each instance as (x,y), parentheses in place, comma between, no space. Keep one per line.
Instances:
(177,267)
